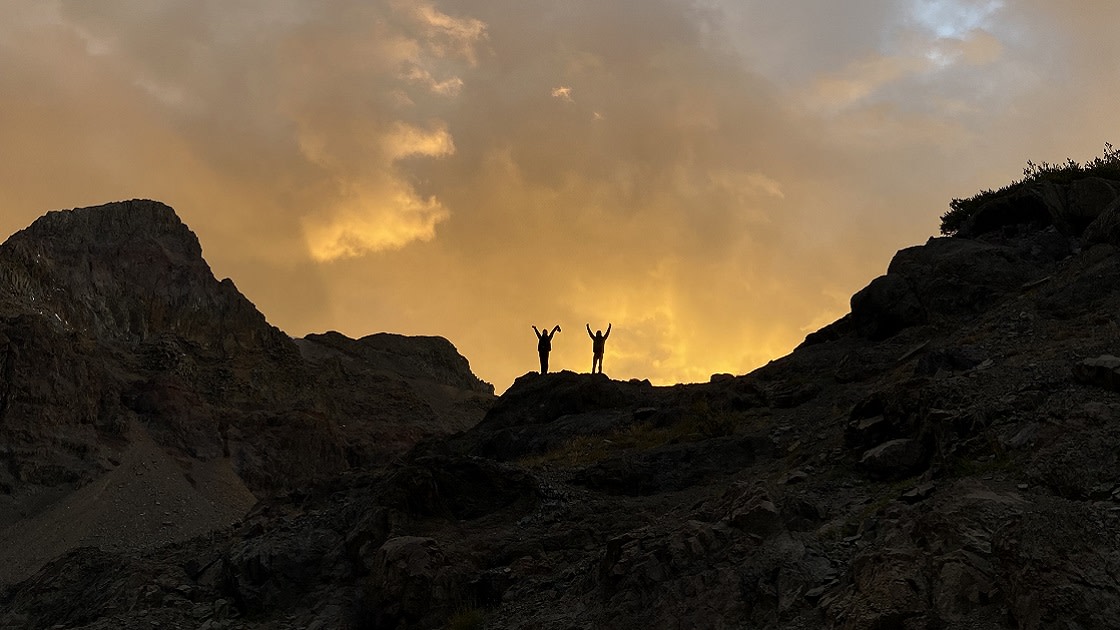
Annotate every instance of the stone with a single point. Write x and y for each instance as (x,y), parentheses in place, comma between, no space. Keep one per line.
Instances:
(1102,371)
(885,307)
(1038,206)
(918,493)
(1023,437)
(412,578)
(894,459)
(750,508)
(1086,200)
(1105,228)
(796,476)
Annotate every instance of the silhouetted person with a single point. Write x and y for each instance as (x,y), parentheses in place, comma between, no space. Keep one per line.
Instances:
(544,345)
(598,345)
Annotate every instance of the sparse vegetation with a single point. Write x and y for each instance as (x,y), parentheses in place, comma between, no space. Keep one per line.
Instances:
(587,449)
(1105,166)
(968,467)
(467,619)
(700,423)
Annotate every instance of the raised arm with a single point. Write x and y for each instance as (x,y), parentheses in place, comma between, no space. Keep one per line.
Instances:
(538,333)
(556,329)
(608,333)
(589,331)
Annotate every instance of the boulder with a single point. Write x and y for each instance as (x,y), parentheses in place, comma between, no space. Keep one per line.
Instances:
(1037,205)
(413,582)
(1086,200)
(752,510)
(894,459)
(889,414)
(1070,207)
(267,571)
(958,276)
(1105,228)
(886,306)
(1102,371)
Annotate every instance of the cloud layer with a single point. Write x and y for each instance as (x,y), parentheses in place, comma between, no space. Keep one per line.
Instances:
(713,177)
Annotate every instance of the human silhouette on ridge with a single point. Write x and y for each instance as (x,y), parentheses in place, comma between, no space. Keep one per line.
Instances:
(544,345)
(598,345)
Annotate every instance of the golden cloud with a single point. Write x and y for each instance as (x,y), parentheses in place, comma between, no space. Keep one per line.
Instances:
(727,176)
(371,220)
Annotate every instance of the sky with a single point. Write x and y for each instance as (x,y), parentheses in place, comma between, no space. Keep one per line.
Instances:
(714,178)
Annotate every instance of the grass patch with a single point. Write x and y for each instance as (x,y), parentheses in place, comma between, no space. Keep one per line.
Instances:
(1000,462)
(467,619)
(587,449)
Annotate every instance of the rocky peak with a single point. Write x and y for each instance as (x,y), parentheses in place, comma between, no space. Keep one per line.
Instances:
(109,226)
(126,271)
(121,353)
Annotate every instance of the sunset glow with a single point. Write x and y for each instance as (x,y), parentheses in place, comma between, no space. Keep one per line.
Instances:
(714,178)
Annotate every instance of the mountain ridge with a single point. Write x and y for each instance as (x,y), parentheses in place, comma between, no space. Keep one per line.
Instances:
(114,331)
(943,457)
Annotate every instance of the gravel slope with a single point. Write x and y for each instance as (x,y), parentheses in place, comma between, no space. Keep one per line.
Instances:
(150,499)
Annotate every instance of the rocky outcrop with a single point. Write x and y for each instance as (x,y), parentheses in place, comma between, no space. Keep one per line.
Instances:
(1069,207)
(112,326)
(112,316)
(394,390)
(1103,371)
(886,306)
(949,278)
(431,359)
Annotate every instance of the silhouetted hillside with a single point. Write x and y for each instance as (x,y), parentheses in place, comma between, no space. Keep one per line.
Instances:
(115,335)
(944,456)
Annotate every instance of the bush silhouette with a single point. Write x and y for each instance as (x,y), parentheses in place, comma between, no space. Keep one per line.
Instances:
(1105,166)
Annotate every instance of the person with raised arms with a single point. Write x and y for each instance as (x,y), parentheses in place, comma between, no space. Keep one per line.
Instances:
(544,345)
(598,345)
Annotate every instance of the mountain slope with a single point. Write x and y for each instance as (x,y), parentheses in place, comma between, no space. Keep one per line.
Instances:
(117,344)
(944,456)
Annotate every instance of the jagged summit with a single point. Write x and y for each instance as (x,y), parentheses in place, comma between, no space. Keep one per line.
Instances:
(111,224)
(129,271)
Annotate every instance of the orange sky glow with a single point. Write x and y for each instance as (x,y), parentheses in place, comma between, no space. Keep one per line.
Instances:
(713,177)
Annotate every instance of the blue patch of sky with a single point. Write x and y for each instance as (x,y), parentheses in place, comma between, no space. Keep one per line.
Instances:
(954,18)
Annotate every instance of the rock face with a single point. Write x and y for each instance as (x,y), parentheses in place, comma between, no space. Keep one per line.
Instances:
(431,359)
(945,456)
(129,272)
(414,387)
(111,315)
(113,331)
